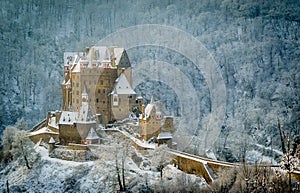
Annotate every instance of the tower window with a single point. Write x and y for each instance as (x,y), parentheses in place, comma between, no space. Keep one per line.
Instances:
(101,82)
(99,91)
(97,100)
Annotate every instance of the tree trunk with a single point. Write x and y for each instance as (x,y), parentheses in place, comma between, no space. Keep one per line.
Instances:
(161,171)
(281,137)
(118,174)
(7,186)
(24,155)
(26,161)
(123,175)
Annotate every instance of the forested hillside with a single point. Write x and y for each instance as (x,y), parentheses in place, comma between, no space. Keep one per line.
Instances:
(256,45)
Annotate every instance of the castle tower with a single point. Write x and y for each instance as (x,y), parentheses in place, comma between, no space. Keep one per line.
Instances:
(96,69)
(51,145)
(84,96)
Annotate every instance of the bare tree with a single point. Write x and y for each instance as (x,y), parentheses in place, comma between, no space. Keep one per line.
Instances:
(290,159)
(121,154)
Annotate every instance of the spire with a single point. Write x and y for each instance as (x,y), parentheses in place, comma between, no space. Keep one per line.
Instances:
(84,90)
(152,100)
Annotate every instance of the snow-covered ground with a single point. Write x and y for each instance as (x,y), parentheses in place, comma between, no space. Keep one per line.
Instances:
(56,175)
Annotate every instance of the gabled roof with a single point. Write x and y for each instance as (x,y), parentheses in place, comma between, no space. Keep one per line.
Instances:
(122,86)
(51,141)
(92,134)
(100,54)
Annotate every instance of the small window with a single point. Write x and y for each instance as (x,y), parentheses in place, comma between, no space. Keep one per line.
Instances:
(77,84)
(99,91)
(103,91)
(101,82)
(97,100)
(103,102)
(77,101)
(77,92)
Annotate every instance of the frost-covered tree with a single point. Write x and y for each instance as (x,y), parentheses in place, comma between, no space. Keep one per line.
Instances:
(290,160)
(21,124)
(160,158)
(23,148)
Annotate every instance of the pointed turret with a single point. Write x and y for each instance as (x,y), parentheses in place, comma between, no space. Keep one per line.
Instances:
(84,95)
(152,100)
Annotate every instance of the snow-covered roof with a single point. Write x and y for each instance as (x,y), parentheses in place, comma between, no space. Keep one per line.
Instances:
(68,117)
(43,130)
(69,58)
(51,141)
(122,86)
(106,61)
(101,54)
(92,134)
(76,68)
(118,54)
(165,135)
(148,110)
(85,114)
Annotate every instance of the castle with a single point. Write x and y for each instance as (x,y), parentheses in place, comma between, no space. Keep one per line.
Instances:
(97,89)
(106,74)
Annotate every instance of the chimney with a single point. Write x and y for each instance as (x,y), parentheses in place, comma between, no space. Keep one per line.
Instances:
(92,56)
(87,49)
(112,57)
(143,111)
